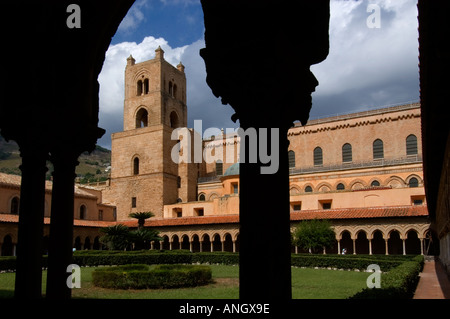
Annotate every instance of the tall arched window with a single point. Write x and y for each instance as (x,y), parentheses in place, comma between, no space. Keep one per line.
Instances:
(411,145)
(15,205)
(378,149)
(347,155)
(174,123)
(146,89)
(142,118)
(170,88)
(174,94)
(136,166)
(291,156)
(82,212)
(318,156)
(219,168)
(139,88)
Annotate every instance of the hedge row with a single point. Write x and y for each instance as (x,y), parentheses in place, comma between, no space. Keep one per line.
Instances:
(344,262)
(399,283)
(144,277)
(150,257)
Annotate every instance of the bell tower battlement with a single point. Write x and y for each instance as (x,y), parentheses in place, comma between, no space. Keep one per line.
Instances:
(155,93)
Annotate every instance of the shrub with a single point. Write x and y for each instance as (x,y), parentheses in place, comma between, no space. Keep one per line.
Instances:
(399,283)
(142,276)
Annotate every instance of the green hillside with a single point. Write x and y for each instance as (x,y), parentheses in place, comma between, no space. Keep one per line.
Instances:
(93,167)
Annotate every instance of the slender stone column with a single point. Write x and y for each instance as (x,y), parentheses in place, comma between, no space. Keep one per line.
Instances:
(61,225)
(386,246)
(370,246)
(28,282)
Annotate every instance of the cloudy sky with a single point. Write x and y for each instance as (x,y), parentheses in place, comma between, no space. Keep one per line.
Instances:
(373,60)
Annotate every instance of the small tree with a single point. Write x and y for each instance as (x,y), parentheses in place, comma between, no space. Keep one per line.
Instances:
(143,237)
(116,237)
(314,235)
(141,217)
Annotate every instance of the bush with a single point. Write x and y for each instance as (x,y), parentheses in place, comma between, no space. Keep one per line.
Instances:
(143,277)
(399,283)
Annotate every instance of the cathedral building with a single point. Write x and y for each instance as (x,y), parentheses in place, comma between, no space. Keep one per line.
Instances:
(361,171)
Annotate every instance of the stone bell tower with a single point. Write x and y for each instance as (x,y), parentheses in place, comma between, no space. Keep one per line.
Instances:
(143,175)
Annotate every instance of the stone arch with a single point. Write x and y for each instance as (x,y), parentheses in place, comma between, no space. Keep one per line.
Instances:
(395,243)
(185,242)
(346,241)
(395,182)
(174,120)
(165,243)
(212,196)
(357,184)
(413,242)
(308,186)
(175,242)
(216,242)
(324,187)
(141,117)
(227,242)
(340,186)
(205,242)
(294,190)
(378,242)
(195,240)
(361,242)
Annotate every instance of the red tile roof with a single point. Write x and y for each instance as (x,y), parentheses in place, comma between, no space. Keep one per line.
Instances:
(344,213)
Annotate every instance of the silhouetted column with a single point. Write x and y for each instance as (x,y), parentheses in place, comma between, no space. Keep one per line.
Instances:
(28,282)
(269,87)
(61,225)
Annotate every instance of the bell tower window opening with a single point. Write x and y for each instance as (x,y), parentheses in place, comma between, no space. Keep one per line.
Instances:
(173,120)
(146,89)
(139,88)
(170,88)
(136,166)
(142,118)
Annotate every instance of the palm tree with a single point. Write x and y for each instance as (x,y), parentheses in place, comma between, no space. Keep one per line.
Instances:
(116,237)
(141,217)
(143,237)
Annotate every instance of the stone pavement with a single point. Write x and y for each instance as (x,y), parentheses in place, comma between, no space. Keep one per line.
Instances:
(433,283)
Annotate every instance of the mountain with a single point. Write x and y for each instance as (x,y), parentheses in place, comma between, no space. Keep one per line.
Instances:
(93,167)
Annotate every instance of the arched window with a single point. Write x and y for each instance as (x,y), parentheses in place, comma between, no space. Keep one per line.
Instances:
(142,118)
(375,183)
(411,145)
(340,187)
(413,182)
(291,156)
(318,156)
(202,197)
(219,168)
(15,205)
(308,189)
(174,123)
(174,91)
(170,88)
(136,166)
(82,212)
(139,88)
(146,89)
(378,149)
(347,153)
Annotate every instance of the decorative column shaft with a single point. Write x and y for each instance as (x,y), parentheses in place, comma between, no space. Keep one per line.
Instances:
(28,283)
(61,225)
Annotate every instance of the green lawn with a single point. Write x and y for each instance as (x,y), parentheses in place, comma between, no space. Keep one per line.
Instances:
(306,284)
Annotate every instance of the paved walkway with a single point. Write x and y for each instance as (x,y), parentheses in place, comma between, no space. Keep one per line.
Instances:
(433,283)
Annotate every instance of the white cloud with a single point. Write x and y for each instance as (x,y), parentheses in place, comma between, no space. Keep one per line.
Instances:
(368,61)
(134,17)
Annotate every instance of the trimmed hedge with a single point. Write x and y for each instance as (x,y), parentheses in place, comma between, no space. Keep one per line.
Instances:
(143,276)
(399,283)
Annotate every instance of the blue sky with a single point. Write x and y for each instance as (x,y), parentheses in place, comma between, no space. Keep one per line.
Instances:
(366,68)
